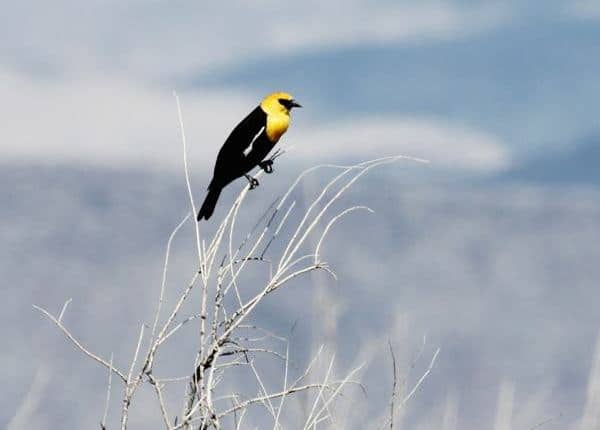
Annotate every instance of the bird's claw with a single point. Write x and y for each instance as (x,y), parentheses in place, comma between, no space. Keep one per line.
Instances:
(253,182)
(266,165)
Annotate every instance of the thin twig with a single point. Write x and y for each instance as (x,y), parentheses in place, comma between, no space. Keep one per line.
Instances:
(416,386)
(332,222)
(394,383)
(164,275)
(64,309)
(334,395)
(243,405)
(421,379)
(546,421)
(320,392)
(267,401)
(187,173)
(161,400)
(107,402)
(131,386)
(78,344)
(285,380)
(135,355)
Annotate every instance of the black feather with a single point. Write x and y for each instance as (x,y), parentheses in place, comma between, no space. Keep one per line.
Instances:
(208,207)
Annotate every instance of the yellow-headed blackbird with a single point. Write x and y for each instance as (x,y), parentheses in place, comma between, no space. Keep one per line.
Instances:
(248,146)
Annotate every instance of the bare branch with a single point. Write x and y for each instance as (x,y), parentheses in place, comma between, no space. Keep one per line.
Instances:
(334,395)
(421,379)
(332,222)
(161,401)
(226,345)
(135,355)
(79,345)
(187,173)
(64,309)
(285,379)
(394,383)
(107,402)
(417,385)
(243,405)
(546,421)
(320,392)
(164,275)
(266,400)
(174,312)
(131,386)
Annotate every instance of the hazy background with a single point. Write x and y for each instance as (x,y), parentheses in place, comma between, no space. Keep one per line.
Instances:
(491,250)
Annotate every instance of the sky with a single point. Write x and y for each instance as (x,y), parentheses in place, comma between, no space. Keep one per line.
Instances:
(471,85)
(489,251)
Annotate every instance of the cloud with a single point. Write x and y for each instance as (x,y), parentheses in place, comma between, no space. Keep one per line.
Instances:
(445,144)
(585,9)
(80,86)
(111,122)
(361,22)
(157,39)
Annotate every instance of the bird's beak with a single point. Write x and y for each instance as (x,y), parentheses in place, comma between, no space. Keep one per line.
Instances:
(295,104)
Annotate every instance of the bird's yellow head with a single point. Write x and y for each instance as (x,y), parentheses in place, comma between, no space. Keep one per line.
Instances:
(279,103)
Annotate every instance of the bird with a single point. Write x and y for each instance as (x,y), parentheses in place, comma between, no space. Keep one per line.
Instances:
(248,146)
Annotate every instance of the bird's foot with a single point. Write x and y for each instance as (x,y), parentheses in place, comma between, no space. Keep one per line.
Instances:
(253,181)
(266,165)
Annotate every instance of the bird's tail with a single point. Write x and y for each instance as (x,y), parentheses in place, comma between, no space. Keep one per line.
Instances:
(209,204)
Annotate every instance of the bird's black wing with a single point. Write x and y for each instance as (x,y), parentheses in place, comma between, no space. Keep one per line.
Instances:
(230,162)
(244,133)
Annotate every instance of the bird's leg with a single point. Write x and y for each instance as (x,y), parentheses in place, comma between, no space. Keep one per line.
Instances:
(266,165)
(253,181)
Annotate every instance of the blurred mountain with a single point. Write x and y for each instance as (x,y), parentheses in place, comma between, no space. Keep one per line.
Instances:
(502,277)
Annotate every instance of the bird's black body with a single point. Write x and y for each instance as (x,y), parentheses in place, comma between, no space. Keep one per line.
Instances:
(246,146)
(234,159)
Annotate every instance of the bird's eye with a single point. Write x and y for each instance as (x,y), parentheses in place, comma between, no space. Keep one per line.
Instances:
(286,103)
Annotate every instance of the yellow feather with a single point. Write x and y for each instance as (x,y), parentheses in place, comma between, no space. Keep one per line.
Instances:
(278,117)
(276,126)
